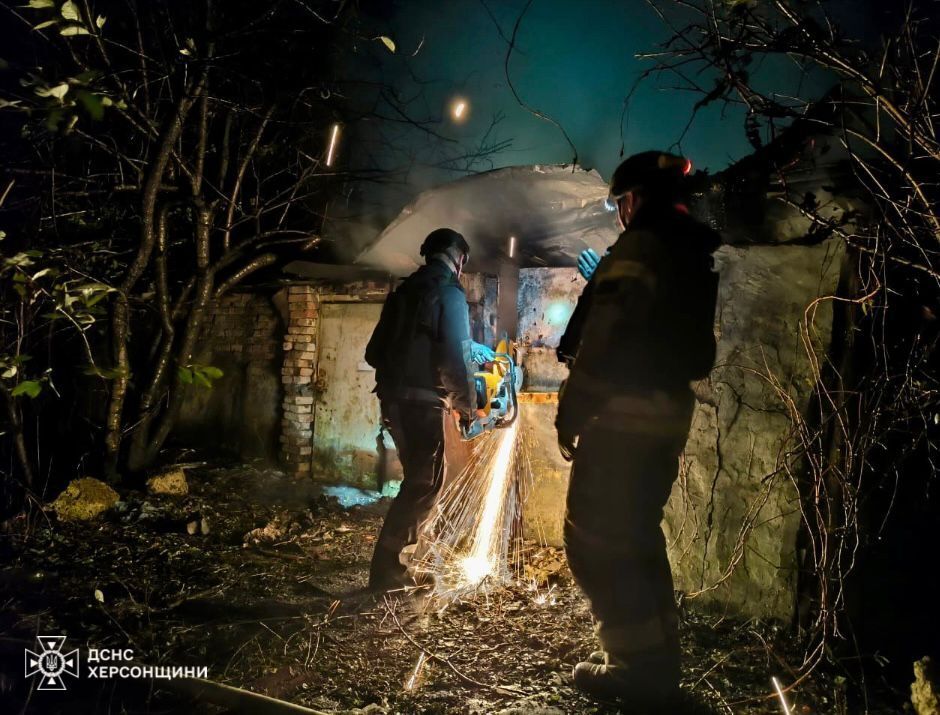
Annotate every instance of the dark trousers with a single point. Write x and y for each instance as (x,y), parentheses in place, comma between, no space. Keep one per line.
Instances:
(418,431)
(619,485)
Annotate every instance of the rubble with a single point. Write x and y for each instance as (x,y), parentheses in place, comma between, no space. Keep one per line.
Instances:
(84,499)
(925,691)
(285,616)
(172,482)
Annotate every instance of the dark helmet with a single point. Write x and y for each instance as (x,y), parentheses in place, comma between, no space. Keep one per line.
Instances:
(656,171)
(442,240)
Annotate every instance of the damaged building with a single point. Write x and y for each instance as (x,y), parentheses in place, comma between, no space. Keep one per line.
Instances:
(298,389)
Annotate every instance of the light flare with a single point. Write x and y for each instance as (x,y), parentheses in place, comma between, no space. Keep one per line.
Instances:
(331,151)
(483,554)
(783,699)
(459,109)
(413,680)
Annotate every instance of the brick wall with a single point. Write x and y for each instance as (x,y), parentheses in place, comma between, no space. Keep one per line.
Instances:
(245,325)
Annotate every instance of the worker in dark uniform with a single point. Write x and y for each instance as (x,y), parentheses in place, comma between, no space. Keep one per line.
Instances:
(643,329)
(421,351)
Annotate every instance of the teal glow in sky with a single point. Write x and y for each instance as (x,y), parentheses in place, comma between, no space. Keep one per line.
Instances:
(574,61)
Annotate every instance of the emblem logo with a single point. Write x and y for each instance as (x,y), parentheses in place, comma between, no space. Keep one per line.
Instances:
(51,663)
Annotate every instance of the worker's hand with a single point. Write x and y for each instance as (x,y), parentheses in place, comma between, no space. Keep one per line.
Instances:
(588,262)
(480,414)
(481,353)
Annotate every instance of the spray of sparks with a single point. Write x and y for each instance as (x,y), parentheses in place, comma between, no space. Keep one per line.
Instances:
(331,150)
(470,538)
(783,698)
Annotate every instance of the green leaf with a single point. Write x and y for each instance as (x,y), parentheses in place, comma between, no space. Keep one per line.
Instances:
(9,372)
(30,388)
(70,11)
(213,373)
(40,4)
(388,42)
(92,104)
(100,21)
(59,91)
(202,380)
(72,30)
(44,25)
(185,375)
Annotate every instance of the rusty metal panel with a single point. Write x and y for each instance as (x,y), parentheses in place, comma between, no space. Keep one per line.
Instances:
(546,300)
(346,417)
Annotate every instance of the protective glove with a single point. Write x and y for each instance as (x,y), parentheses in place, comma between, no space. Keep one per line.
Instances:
(481,353)
(588,262)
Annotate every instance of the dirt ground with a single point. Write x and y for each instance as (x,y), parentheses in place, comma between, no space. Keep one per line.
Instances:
(268,600)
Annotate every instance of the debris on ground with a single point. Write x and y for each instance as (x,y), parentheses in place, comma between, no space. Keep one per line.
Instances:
(925,690)
(172,482)
(84,499)
(272,600)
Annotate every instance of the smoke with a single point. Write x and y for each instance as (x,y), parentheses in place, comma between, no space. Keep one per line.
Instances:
(574,62)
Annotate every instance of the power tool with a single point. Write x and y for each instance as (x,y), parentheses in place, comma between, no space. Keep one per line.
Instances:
(496,384)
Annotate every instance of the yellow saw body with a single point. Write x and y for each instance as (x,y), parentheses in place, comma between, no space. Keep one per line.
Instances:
(496,387)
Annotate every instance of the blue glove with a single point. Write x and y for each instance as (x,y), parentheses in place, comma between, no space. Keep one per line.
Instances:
(481,353)
(588,262)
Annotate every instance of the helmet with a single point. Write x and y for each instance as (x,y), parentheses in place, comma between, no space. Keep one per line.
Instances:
(653,170)
(443,240)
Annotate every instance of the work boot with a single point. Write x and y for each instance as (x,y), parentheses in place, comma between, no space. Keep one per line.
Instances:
(598,656)
(648,685)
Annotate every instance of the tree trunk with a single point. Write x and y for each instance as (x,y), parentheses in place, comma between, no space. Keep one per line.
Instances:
(120,322)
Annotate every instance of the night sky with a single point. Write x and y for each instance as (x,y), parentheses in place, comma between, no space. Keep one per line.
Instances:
(574,61)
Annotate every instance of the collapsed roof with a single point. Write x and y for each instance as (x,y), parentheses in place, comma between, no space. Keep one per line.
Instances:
(554,212)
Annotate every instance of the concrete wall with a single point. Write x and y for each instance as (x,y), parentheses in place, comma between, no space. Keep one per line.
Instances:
(240,414)
(733,517)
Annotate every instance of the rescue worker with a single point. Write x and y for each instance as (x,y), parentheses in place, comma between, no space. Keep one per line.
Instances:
(642,330)
(421,349)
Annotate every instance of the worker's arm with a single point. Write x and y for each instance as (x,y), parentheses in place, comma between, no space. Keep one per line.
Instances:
(455,351)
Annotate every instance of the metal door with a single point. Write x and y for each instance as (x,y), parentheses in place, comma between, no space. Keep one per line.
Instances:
(346,417)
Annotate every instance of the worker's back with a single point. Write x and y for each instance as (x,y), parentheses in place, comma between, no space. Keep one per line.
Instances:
(649,320)
(418,347)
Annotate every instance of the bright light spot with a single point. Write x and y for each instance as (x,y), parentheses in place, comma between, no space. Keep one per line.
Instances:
(459,109)
(610,205)
(545,599)
(331,152)
(512,246)
(476,568)
(558,312)
(483,554)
